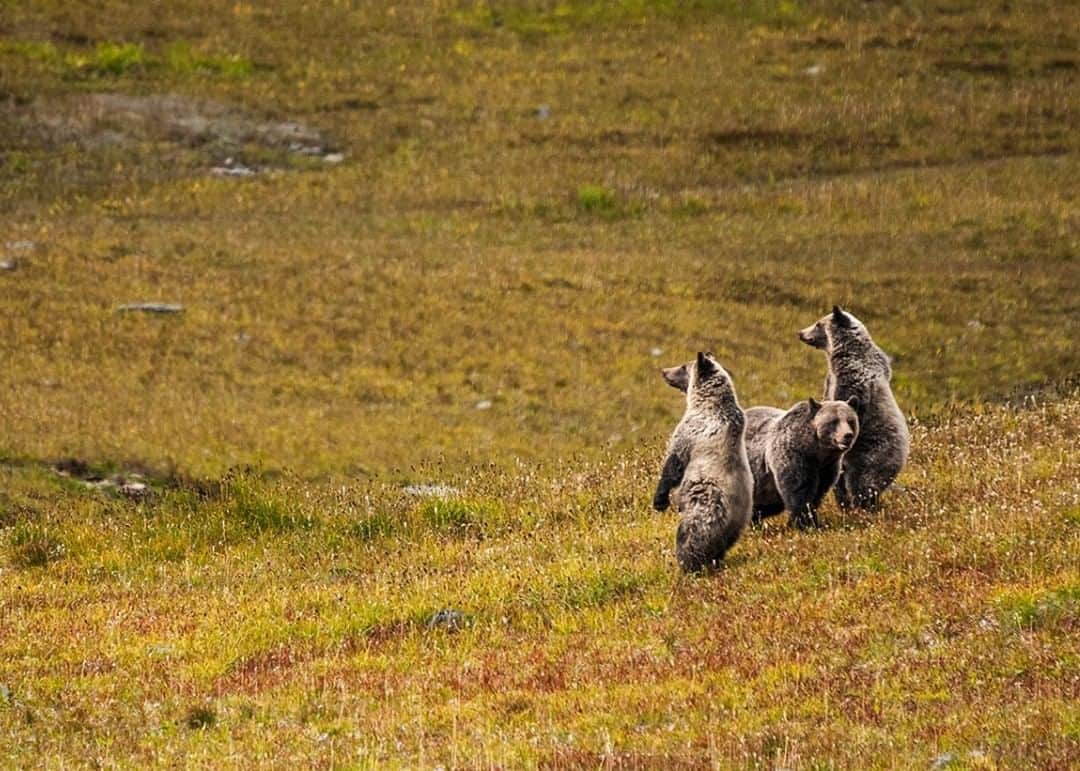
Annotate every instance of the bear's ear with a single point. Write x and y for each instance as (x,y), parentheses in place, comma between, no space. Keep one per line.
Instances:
(839,317)
(815,405)
(853,402)
(705,366)
(677,377)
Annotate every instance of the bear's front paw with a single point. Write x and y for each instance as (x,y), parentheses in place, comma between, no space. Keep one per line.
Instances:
(661,502)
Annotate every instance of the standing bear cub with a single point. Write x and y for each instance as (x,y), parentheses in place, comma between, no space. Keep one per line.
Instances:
(795,456)
(707,468)
(859,369)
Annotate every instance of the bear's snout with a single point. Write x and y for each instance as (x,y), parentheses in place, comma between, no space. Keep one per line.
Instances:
(677,377)
(810,336)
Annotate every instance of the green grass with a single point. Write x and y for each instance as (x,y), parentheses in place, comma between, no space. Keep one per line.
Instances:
(1028,610)
(116,58)
(180,57)
(113,60)
(33,545)
(401,442)
(535,20)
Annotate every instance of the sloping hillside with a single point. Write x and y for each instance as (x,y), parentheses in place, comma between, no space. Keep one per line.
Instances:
(368,483)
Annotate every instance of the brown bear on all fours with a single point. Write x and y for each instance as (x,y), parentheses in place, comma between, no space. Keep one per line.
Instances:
(795,455)
(859,369)
(706,472)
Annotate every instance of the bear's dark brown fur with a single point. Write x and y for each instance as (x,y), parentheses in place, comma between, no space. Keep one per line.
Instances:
(859,368)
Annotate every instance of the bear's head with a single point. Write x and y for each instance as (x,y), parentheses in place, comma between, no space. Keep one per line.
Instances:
(703,381)
(832,329)
(709,383)
(678,377)
(836,423)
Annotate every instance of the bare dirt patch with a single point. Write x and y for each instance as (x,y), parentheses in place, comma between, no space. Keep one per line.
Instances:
(218,129)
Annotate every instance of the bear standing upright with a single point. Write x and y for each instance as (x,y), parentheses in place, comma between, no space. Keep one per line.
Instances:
(707,467)
(859,369)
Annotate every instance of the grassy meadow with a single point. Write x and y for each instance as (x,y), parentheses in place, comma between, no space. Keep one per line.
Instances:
(378,495)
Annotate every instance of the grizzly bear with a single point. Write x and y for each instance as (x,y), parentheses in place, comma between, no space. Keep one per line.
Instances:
(858,368)
(707,468)
(795,456)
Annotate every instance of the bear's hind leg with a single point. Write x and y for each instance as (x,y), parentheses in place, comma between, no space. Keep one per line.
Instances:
(766,510)
(866,498)
(864,489)
(866,477)
(695,546)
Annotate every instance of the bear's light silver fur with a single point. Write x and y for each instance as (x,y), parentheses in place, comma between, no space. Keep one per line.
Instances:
(707,468)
